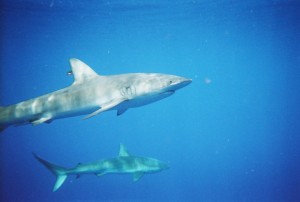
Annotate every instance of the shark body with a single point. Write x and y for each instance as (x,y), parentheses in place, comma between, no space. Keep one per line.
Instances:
(124,163)
(91,94)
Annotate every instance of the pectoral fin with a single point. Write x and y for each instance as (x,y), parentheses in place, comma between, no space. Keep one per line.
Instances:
(100,174)
(94,113)
(106,107)
(121,111)
(43,119)
(137,176)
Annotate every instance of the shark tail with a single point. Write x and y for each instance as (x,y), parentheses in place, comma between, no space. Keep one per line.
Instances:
(60,172)
(2,127)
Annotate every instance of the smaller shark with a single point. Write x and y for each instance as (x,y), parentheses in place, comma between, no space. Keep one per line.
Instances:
(124,163)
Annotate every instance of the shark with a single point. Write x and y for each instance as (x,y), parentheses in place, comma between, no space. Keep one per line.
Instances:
(122,164)
(91,94)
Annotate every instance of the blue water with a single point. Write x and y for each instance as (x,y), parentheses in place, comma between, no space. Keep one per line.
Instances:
(232,135)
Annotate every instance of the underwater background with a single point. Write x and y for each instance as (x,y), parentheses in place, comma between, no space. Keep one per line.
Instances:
(231,135)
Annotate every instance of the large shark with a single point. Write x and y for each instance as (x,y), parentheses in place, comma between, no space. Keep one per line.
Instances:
(124,163)
(91,94)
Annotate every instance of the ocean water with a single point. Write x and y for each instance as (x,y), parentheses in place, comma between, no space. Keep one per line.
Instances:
(232,135)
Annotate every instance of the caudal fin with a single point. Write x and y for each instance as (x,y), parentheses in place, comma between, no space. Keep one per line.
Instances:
(2,127)
(59,172)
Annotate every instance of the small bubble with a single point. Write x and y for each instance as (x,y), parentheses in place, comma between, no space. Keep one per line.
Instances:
(207,80)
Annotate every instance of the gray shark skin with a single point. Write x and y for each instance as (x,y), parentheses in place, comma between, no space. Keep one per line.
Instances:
(124,163)
(91,94)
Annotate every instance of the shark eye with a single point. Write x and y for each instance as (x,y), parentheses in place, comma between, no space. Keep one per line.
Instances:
(170,82)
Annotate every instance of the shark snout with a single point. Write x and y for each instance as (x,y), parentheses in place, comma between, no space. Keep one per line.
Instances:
(186,81)
(181,82)
(163,166)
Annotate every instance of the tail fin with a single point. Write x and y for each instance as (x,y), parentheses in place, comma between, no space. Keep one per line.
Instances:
(59,172)
(2,127)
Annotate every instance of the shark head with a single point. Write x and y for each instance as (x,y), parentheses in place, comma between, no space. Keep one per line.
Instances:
(154,165)
(143,164)
(140,89)
(146,165)
(163,83)
(173,83)
(158,86)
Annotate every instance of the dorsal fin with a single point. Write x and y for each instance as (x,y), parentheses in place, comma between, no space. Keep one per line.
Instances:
(81,71)
(123,151)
